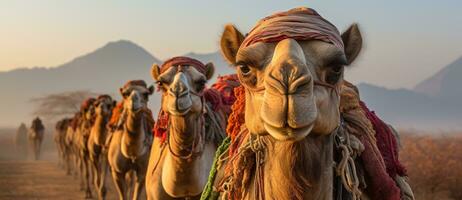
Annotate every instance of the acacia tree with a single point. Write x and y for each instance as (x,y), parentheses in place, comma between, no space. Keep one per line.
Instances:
(59,105)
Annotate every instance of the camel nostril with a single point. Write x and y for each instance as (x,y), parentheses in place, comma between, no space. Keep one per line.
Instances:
(274,83)
(301,83)
(178,92)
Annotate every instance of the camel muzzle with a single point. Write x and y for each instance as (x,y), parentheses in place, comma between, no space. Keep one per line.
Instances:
(288,108)
(180,96)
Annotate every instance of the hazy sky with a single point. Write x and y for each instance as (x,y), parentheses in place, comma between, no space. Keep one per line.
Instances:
(405,41)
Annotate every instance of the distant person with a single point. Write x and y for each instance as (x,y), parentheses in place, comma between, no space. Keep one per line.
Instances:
(36,133)
(21,141)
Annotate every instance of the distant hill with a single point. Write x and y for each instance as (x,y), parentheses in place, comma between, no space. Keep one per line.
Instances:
(447,83)
(102,71)
(435,103)
(409,109)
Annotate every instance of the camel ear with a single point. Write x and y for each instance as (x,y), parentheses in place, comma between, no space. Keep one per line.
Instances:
(151,89)
(155,72)
(231,40)
(210,69)
(353,42)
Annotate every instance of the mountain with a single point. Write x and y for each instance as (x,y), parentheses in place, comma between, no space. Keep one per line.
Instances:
(101,71)
(410,109)
(435,103)
(444,84)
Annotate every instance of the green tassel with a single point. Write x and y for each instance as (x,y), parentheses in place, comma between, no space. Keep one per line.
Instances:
(208,193)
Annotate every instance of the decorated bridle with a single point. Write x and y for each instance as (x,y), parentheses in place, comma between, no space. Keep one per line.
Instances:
(181,63)
(199,136)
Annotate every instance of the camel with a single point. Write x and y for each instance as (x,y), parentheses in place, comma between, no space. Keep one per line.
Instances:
(81,135)
(291,67)
(181,156)
(70,148)
(21,141)
(291,106)
(97,140)
(59,136)
(36,133)
(131,139)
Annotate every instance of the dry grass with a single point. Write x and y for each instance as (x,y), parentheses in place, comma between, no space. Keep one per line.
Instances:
(434,164)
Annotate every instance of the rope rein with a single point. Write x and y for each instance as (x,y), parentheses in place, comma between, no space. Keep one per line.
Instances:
(346,167)
(258,147)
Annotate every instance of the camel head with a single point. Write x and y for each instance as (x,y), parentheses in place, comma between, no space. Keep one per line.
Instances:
(104,105)
(182,81)
(87,109)
(135,95)
(291,81)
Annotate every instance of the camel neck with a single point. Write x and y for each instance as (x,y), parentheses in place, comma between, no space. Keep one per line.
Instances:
(99,127)
(184,133)
(305,167)
(133,124)
(135,135)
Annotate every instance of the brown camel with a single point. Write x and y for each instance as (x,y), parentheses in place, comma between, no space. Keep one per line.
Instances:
(132,138)
(59,137)
(70,148)
(97,141)
(36,133)
(82,133)
(21,141)
(180,162)
(291,104)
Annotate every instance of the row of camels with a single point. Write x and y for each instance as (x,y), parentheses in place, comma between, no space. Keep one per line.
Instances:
(285,126)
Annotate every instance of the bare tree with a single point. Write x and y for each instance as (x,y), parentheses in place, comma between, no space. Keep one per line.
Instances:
(59,105)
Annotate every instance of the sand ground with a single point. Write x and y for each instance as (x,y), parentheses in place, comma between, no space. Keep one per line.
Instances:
(26,179)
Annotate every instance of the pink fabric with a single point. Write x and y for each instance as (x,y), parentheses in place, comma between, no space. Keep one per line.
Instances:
(225,85)
(381,185)
(386,143)
(298,23)
(382,166)
(181,60)
(213,97)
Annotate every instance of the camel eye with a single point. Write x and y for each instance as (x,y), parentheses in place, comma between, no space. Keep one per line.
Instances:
(245,70)
(200,84)
(146,95)
(334,74)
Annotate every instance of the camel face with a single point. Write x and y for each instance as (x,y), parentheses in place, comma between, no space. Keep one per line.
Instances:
(136,97)
(282,97)
(103,106)
(182,90)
